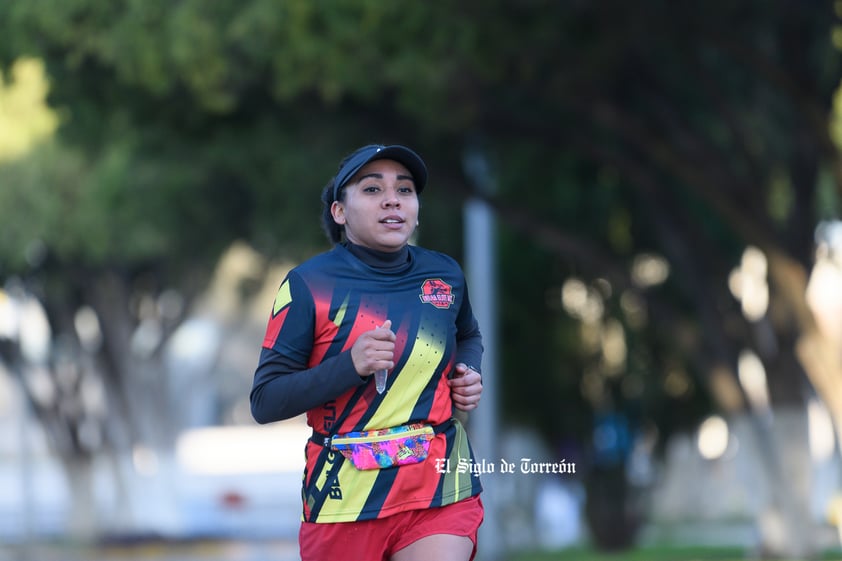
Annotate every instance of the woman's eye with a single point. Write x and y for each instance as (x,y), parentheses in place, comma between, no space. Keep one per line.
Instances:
(406,189)
(371,189)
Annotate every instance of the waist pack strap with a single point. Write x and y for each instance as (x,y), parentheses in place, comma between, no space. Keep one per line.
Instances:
(324,439)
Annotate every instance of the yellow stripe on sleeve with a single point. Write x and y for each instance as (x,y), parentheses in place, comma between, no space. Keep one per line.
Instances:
(283,298)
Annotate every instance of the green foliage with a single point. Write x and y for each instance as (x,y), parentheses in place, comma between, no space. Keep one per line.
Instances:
(220,52)
(642,554)
(24,117)
(653,553)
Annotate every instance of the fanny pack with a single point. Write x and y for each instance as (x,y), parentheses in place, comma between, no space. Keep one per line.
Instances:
(384,448)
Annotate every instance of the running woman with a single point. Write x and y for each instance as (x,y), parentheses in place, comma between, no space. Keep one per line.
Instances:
(376,342)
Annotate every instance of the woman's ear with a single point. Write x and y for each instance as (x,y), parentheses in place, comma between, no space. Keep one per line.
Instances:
(337,210)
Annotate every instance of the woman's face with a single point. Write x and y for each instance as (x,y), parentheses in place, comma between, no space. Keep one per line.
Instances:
(380,206)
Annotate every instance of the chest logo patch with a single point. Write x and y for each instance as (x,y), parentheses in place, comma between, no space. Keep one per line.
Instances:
(438,293)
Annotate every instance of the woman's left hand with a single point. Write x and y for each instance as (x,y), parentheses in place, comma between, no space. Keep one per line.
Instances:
(465,387)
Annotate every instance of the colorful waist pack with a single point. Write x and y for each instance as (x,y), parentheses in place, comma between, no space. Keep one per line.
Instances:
(385,448)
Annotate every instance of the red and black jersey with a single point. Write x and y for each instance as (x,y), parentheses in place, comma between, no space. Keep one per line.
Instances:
(322,306)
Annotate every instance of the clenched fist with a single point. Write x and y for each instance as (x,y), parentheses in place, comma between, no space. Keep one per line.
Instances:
(374,350)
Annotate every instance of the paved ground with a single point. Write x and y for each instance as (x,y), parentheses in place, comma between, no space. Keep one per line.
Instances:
(195,551)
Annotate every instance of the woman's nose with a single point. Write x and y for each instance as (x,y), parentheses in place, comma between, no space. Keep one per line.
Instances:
(390,198)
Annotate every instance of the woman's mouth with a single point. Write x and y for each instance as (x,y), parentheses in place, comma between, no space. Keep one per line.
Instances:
(391,220)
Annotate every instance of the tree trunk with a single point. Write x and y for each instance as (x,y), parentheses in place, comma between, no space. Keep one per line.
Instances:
(82,517)
(786,527)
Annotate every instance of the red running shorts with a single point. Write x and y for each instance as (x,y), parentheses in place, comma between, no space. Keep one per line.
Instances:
(379,539)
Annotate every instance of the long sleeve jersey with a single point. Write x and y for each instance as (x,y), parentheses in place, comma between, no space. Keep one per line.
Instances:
(321,308)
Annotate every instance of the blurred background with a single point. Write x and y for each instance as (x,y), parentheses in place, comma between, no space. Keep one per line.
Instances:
(646,198)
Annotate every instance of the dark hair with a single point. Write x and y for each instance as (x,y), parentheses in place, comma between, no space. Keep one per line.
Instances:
(335,232)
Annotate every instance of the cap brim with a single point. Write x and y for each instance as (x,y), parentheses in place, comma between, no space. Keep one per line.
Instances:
(410,160)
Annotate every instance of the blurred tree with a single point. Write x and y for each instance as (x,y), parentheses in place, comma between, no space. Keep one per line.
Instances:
(25,118)
(626,141)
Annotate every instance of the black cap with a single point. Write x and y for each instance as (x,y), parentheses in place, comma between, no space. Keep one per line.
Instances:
(353,163)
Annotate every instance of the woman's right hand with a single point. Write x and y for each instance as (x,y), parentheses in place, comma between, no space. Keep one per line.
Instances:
(374,350)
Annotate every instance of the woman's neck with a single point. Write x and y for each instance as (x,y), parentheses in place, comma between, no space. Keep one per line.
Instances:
(384,260)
